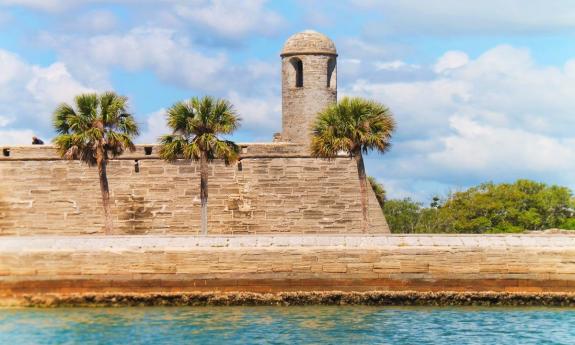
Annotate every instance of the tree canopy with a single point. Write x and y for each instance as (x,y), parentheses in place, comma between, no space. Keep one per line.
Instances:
(196,125)
(94,122)
(353,126)
(487,208)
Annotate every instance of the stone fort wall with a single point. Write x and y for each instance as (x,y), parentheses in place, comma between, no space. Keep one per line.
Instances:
(276,188)
(279,263)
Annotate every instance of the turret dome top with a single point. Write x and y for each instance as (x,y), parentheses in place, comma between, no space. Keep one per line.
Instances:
(308,42)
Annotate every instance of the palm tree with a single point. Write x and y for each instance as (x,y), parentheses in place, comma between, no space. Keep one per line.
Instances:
(196,125)
(354,126)
(96,128)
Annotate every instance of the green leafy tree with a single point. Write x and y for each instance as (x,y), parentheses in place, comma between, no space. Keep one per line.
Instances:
(196,126)
(354,126)
(568,224)
(509,207)
(487,208)
(92,130)
(402,215)
(435,202)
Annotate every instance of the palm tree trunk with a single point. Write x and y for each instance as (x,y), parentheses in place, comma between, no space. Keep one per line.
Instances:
(204,192)
(363,189)
(108,225)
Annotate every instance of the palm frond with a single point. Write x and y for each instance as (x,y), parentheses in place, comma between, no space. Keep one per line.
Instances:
(353,125)
(179,115)
(192,151)
(172,146)
(197,124)
(61,115)
(226,150)
(94,121)
(87,105)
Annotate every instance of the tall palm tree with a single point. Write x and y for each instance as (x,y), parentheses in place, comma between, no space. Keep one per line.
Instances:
(94,129)
(196,126)
(354,126)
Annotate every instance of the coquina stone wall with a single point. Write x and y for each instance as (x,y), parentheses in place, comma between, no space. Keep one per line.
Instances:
(275,188)
(159,264)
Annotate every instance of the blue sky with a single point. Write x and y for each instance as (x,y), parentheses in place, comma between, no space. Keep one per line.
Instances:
(482,91)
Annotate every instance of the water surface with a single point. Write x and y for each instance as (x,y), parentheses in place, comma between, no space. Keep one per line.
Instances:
(287,325)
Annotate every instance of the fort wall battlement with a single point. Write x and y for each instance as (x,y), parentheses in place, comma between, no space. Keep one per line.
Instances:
(274,188)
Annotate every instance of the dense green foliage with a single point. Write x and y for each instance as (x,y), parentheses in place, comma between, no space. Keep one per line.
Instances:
(487,208)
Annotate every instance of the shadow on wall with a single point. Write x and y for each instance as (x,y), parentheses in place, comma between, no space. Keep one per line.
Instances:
(136,214)
(5,222)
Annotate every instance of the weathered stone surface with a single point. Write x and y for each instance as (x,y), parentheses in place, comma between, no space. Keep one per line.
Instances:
(316,54)
(275,187)
(266,263)
(42,194)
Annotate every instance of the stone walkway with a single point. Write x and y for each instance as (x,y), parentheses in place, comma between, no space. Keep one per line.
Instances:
(111,243)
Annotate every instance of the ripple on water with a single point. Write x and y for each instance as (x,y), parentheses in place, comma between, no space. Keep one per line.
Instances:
(287,325)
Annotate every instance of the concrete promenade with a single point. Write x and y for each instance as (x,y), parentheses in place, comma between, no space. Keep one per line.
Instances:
(130,242)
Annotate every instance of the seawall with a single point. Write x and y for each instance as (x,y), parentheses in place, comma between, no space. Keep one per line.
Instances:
(274,188)
(125,265)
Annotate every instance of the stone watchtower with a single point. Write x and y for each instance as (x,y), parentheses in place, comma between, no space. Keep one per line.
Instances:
(309,83)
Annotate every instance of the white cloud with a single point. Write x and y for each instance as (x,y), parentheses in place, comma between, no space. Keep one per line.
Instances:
(479,149)
(476,17)
(4,121)
(231,18)
(170,56)
(92,21)
(450,60)
(395,65)
(29,95)
(155,127)
(353,47)
(497,117)
(53,84)
(16,136)
(63,5)
(261,114)
(45,5)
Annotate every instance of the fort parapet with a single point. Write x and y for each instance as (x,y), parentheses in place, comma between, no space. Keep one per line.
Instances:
(274,188)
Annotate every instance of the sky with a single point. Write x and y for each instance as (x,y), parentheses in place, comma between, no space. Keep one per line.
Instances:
(481,90)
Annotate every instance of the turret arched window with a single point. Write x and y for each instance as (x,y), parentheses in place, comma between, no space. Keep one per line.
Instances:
(298,68)
(330,74)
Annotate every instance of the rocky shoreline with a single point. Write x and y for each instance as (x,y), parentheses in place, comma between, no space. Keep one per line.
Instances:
(374,298)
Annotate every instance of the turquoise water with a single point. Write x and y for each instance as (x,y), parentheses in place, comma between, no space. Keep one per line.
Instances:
(287,325)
